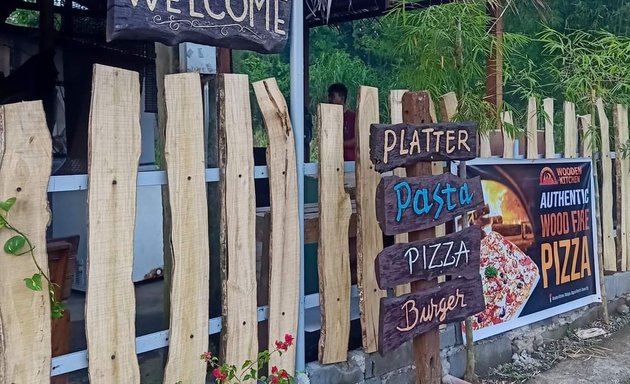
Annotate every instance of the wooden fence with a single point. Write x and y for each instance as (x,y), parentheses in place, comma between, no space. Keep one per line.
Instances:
(114,148)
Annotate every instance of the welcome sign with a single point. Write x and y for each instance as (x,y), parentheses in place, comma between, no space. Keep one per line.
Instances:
(257,25)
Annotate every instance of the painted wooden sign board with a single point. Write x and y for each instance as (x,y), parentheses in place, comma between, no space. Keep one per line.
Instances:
(400,145)
(405,317)
(417,203)
(257,25)
(455,255)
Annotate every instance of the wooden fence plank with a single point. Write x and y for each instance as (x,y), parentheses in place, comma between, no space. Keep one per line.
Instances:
(284,261)
(333,256)
(25,164)
(585,123)
(114,153)
(395,110)
(620,122)
(532,129)
(239,338)
(185,159)
(570,131)
(610,254)
(369,235)
(508,142)
(550,150)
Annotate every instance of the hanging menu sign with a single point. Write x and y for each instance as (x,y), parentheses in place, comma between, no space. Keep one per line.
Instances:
(417,203)
(257,25)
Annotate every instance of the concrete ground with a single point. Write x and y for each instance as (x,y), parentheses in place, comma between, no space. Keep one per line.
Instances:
(614,368)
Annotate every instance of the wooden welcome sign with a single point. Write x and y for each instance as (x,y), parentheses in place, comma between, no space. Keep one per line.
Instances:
(257,25)
(400,145)
(455,255)
(403,318)
(416,203)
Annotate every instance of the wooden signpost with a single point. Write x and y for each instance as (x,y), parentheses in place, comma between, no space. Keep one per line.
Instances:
(416,204)
(400,145)
(257,25)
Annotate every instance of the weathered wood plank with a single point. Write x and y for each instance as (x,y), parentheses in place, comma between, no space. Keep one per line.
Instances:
(585,123)
(369,235)
(114,153)
(395,110)
(333,252)
(550,150)
(620,122)
(284,261)
(426,348)
(570,131)
(508,141)
(532,129)
(416,203)
(25,164)
(453,255)
(401,145)
(608,231)
(185,160)
(255,25)
(239,338)
(411,315)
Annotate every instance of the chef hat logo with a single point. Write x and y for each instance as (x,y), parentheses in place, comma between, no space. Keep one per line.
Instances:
(548,177)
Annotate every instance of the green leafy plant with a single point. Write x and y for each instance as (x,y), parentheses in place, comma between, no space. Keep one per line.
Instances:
(229,374)
(15,246)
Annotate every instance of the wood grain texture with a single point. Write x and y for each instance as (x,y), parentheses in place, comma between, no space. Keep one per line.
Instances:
(185,160)
(369,235)
(395,110)
(550,150)
(284,248)
(426,347)
(114,153)
(508,141)
(570,131)
(532,129)
(25,163)
(406,317)
(585,122)
(333,251)
(239,336)
(620,122)
(260,26)
(606,197)
(448,106)
(400,145)
(453,255)
(416,203)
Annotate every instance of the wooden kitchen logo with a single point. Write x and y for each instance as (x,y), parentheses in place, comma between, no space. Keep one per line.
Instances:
(257,25)
(417,203)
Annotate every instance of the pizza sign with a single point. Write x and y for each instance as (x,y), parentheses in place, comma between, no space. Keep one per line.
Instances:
(416,203)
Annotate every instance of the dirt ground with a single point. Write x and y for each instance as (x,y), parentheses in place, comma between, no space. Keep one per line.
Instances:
(612,368)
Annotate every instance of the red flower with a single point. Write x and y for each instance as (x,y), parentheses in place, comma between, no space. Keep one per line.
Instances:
(218,375)
(274,370)
(288,340)
(274,380)
(283,374)
(206,356)
(281,346)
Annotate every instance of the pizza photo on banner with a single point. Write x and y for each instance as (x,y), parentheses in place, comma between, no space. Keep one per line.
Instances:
(538,252)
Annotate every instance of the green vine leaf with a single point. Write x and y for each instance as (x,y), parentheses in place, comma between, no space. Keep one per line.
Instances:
(7,204)
(56,310)
(14,244)
(34,283)
(3,222)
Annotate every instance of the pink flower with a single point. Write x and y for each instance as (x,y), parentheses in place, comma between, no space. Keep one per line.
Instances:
(274,370)
(218,375)
(206,356)
(288,340)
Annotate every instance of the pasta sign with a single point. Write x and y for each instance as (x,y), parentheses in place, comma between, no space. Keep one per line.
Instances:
(257,25)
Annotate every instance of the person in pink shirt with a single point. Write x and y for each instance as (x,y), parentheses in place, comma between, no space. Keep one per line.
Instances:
(338,94)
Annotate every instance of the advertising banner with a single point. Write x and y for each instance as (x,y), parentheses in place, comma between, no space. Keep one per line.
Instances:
(539,251)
